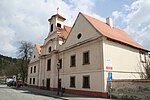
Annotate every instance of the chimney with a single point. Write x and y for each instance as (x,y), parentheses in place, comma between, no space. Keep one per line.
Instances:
(109,21)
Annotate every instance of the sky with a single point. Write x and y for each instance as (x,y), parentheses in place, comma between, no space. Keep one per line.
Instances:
(27,20)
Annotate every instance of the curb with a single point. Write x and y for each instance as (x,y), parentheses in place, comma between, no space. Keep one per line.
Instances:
(39,92)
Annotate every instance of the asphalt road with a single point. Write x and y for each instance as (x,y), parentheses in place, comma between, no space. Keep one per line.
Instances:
(7,93)
(27,93)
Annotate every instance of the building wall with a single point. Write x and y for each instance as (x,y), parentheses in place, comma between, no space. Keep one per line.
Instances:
(94,70)
(33,74)
(97,71)
(125,60)
(34,62)
(44,73)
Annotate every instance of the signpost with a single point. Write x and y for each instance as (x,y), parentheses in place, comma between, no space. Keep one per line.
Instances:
(109,68)
(110,76)
(110,82)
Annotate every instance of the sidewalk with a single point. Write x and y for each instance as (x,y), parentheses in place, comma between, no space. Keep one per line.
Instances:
(66,96)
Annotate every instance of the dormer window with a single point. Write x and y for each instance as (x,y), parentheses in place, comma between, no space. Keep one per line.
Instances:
(51,27)
(49,49)
(59,25)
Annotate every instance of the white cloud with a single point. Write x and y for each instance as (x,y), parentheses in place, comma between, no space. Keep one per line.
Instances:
(6,36)
(27,19)
(136,17)
(116,14)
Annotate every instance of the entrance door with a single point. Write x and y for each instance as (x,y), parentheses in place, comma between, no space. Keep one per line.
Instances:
(48,83)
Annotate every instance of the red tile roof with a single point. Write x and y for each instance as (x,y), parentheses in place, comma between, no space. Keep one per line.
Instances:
(113,33)
(38,47)
(64,32)
(59,16)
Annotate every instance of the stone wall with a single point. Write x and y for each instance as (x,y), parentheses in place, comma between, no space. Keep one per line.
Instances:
(131,89)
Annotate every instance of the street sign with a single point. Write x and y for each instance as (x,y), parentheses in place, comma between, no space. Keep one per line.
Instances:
(110,76)
(109,64)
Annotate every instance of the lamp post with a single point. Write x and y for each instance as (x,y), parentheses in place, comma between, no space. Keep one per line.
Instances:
(58,67)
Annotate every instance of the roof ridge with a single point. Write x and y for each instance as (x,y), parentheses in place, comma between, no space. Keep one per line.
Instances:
(112,33)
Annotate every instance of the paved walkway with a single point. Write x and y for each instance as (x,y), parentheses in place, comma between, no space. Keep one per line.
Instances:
(66,96)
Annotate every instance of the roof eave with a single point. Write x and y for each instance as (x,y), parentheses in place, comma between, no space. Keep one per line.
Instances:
(128,44)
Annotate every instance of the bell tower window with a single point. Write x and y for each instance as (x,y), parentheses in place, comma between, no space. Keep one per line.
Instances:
(49,49)
(58,25)
(51,27)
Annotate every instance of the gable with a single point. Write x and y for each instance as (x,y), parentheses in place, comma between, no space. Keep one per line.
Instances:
(81,31)
(35,55)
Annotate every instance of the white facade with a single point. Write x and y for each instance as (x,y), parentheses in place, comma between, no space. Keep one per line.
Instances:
(33,69)
(86,58)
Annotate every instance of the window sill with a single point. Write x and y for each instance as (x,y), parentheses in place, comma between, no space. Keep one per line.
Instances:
(73,66)
(86,87)
(86,64)
(72,87)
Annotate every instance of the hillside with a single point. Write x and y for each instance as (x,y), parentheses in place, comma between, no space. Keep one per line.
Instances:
(8,65)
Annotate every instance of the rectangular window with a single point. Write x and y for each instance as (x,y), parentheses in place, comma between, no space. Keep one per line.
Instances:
(48,64)
(31,70)
(30,80)
(72,81)
(73,61)
(51,27)
(60,63)
(34,69)
(142,57)
(86,59)
(86,82)
(58,25)
(49,49)
(33,80)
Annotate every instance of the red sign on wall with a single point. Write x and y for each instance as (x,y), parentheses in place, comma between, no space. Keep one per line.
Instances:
(108,68)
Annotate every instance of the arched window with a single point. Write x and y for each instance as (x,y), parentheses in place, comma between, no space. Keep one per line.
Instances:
(50,49)
(58,25)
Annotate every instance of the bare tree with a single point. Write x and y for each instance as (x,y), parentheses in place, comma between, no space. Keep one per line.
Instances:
(24,54)
(144,70)
(147,70)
